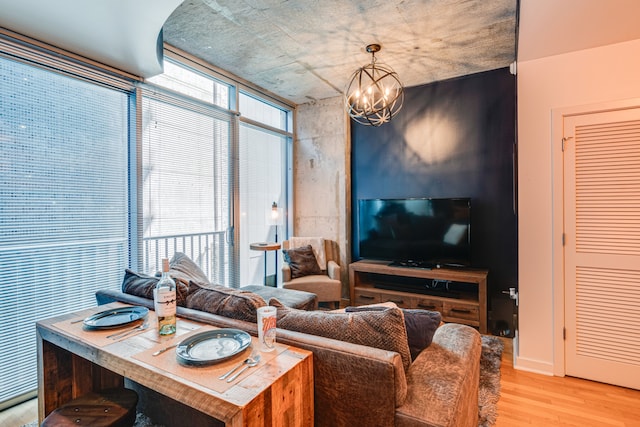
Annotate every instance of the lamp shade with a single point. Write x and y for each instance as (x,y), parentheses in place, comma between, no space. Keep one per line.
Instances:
(374,94)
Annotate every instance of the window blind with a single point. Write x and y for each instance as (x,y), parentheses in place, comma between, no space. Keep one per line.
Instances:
(242,189)
(64,212)
(187,183)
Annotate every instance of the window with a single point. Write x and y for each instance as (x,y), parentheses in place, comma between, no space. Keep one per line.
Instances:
(264,113)
(193,84)
(187,202)
(198,198)
(263,179)
(63,205)
(82,196)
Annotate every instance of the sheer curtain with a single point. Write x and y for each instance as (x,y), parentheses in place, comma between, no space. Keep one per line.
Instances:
(64,205)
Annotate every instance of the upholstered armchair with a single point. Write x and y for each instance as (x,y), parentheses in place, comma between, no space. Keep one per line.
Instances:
(323,278)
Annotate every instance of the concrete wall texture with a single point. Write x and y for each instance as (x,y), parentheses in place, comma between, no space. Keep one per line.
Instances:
(321,176)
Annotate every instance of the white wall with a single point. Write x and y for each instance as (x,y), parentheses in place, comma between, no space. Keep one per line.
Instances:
(321,175)
(592,76)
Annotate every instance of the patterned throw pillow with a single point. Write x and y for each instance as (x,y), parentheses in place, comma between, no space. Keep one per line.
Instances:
(227,302)
(382,329)
(421,325)
(302,261)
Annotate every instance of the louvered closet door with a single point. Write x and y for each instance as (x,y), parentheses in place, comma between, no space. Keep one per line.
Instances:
(602,249)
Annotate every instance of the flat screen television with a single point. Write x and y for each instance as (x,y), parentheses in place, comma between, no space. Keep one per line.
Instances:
(416,232)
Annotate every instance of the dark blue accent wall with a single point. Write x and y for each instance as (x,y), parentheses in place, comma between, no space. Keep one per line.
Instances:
(453,138)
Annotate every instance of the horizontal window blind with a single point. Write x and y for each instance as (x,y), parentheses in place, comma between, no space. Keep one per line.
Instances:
(187,182)
(42,55)
(64,212)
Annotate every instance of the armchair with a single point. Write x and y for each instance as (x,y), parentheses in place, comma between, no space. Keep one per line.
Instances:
(327,285)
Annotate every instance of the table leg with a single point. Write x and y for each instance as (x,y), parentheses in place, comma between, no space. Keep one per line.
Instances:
(275,280)
(264,281)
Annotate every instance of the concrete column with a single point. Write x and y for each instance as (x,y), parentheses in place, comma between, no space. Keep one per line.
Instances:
(322,176)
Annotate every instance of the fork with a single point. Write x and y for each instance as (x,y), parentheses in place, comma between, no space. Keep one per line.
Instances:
(123,334)
(249,363)
(247,360)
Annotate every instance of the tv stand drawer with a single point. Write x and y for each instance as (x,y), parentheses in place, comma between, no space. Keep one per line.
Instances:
(365,296)
(428,304)
(459,311)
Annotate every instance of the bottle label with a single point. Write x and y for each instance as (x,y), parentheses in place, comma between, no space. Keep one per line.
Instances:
(165,302)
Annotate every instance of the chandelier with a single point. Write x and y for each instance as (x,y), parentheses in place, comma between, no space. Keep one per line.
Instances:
(374,94)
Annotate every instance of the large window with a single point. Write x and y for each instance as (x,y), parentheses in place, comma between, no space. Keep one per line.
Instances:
(210,178)
(63,205)
(264,172)
(186,185)
(97,176)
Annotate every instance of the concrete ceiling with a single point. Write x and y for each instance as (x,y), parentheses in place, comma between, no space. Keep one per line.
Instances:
(306,50)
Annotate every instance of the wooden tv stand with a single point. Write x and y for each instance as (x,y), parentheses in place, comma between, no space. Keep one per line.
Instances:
(468,306)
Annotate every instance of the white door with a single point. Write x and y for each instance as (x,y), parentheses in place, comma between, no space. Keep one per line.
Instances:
(602,246)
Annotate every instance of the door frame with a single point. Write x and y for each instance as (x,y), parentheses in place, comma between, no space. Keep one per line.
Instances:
(557,171)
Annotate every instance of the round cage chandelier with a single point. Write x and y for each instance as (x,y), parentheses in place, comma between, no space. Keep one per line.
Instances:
(374,94)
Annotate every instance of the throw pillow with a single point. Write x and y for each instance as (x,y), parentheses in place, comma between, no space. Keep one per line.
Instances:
(302,261)
(380,329)
(227,302)
(143,285)
(182,269)
(421,325)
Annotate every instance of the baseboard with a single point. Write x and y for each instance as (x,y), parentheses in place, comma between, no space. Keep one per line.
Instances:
(532,365)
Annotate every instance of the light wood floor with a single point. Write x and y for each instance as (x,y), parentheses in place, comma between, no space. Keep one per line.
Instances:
(526,399)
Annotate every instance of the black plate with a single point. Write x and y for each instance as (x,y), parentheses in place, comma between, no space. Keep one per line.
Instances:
(115,318)
(207,348)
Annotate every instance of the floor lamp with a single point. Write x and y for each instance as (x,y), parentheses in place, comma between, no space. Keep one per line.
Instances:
(275,218)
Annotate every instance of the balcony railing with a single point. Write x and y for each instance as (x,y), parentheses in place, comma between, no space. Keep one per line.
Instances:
(209,250)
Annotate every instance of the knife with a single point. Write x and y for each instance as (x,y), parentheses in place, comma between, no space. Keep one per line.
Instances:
(162,350)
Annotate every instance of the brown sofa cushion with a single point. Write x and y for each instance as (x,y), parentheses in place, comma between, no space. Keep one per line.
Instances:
(302,261)
(228,302)
(143,285)
(420,325)
(380,329)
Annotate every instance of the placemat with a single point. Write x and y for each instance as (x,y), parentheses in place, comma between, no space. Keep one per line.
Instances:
(103,337)
(207,376)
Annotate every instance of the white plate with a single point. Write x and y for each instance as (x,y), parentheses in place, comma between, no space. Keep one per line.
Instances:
(211,347)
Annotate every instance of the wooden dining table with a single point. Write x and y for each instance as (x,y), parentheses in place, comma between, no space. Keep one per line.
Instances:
(73,361)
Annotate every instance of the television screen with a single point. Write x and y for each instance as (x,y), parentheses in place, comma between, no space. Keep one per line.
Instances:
(416,232)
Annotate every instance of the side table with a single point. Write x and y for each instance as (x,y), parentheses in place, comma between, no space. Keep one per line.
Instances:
(266,247)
